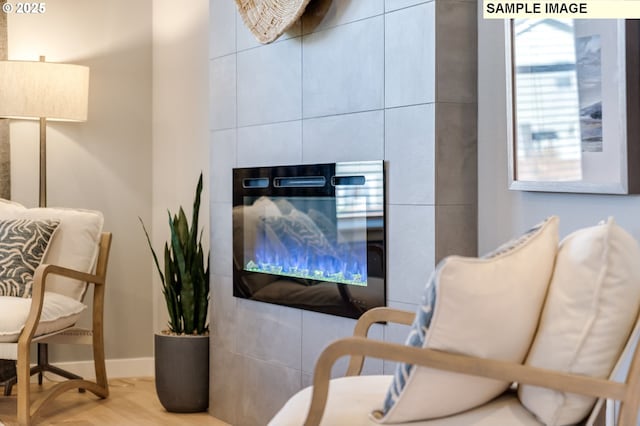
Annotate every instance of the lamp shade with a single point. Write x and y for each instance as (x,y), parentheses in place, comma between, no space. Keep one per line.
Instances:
(44,90)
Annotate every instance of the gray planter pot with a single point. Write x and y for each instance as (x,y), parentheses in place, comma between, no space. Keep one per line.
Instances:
(182,372)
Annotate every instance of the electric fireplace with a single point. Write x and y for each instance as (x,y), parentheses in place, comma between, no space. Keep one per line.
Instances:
(311,236)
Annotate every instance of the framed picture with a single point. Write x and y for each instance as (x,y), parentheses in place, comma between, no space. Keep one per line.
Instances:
(573,96)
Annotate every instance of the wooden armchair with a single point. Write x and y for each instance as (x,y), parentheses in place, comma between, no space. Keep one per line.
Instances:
(77,256)
(359,346)
(557,321)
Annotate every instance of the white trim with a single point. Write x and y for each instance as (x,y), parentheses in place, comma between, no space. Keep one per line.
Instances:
(116,368)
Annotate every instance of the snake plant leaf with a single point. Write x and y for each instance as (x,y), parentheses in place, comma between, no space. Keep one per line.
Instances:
(186,292)
(171,290)
(185,281)
(196,214)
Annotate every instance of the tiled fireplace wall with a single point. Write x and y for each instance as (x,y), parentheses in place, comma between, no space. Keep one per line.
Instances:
(354,80)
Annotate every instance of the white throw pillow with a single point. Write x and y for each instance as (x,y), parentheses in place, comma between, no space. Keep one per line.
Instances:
(58,312)
(590,311)
(487,307)
(75,244)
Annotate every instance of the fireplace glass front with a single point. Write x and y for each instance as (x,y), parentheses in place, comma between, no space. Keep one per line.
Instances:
(311,236)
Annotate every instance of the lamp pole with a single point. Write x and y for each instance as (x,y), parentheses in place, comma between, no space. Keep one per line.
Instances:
(43,159)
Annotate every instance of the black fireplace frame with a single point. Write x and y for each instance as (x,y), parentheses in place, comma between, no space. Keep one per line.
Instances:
(311,180)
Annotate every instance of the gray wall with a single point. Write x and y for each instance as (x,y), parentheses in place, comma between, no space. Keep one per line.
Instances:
(503,213)
(354,80)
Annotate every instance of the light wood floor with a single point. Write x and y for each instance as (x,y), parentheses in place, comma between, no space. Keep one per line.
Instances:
(131,402)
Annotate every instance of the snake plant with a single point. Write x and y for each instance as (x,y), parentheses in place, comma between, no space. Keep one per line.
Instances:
(185,281)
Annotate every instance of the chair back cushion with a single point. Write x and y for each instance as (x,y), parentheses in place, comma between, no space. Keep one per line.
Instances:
(23,244)
(591,308)
(75,244)
(487,307)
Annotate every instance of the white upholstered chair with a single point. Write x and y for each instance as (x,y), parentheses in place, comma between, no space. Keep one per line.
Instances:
(578,342)
(75,254)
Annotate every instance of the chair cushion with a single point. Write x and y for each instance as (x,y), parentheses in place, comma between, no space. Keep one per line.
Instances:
(23,244)
(590,311)
(487,307)
(58,312)
(75,244)
(351,399)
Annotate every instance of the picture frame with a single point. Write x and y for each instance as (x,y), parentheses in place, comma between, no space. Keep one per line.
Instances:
(573,105)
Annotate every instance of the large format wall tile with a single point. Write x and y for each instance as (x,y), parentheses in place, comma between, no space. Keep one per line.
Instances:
(270,145)
(318,330)
(222,160)
(456,230)
(410,151)
(410,243)
(397,333)
(225,384)
(323,14)
(246,39)
(347,137)
(265,389)
(221,247)
(456,69)
(223,307)
(222,28)
(456,153)
(269,87)
(344,69)
(222,98)
(391,5)
(269,332)
(410,56)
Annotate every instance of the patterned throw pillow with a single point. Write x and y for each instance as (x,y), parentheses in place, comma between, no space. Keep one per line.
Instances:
(23,244)
(510,281)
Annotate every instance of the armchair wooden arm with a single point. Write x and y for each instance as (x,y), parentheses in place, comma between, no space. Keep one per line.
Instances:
(372,316)
(100,386)
(628,393)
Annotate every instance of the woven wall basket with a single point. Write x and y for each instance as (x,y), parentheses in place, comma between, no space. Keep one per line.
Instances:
(268,19)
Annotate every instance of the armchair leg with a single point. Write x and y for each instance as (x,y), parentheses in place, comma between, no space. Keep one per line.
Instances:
(24,392)
(43,366)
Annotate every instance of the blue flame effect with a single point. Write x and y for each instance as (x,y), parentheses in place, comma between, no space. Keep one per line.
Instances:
(349,266)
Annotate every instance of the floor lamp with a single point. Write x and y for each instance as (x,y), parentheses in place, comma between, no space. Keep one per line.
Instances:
(44,91)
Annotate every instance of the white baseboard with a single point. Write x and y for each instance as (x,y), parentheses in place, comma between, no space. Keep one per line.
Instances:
(116,368)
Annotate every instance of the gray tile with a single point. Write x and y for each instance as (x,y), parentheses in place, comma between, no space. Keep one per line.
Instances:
(222,28)
(318,330)
(323,14)
(269,79)
(269,332)
(307,380)
(222,160)
(397,333)
(456,51)
(344,69)
(390,5)
(246,39)
(221,247)
(223,313)
(270,145)
(348,137)
(410,56)
(456,230)
(456,154)
(411,238)
(410,152)
(226,371)
(266,387)
(222,93)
